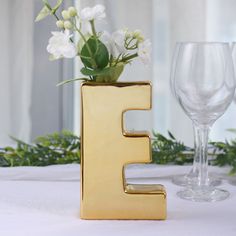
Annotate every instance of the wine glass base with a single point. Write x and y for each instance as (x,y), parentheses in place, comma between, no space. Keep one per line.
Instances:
(206,194)
(186,180)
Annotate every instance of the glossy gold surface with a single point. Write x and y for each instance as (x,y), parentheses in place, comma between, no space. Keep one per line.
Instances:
(107,148)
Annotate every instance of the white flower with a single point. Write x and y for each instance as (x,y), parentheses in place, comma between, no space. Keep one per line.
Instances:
(115,43)
(144,51)
(106,39)
(118,38)
(88,14)
(61,46)
(93,13)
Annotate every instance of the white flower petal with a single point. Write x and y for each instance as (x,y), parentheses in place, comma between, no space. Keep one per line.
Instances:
(61,46)
(99,12)
(144,52)
(118,38)
(106,39)
(86,27)
(86,14)
(95,13)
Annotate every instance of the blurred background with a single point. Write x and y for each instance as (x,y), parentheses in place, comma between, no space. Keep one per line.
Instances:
(31,103)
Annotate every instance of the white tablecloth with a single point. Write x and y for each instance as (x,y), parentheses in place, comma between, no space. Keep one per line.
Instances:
(45,201)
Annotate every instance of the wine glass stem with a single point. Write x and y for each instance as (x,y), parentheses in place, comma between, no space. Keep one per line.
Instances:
(200,158)
(196,155)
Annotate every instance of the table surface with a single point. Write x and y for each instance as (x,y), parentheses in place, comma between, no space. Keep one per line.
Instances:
(45,201)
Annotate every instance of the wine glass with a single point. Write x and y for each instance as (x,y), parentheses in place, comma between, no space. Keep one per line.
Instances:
(203,82)
(192,176)
(233,48)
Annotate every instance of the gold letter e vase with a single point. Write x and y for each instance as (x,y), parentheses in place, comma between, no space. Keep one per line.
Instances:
(106,148)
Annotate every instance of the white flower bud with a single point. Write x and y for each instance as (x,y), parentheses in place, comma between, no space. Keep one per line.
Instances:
(72,11)
(136,33)
(67,24)
(60,24)
(65,14)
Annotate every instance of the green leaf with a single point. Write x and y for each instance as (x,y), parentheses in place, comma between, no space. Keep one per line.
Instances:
(50,149)
(171,135)
(46,3)
(97,53)
(81,42)
(112,75)
(232,130)
(109,74)
(72,80)
(89,72)
(232,171)
(47,10)
(42,14)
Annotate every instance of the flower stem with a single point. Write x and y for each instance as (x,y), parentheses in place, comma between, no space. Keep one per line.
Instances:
(93,28)
(87,46)
(57,18)
(55,15)
(127,58)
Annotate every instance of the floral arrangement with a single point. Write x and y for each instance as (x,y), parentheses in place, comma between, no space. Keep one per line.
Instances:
(103,54)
